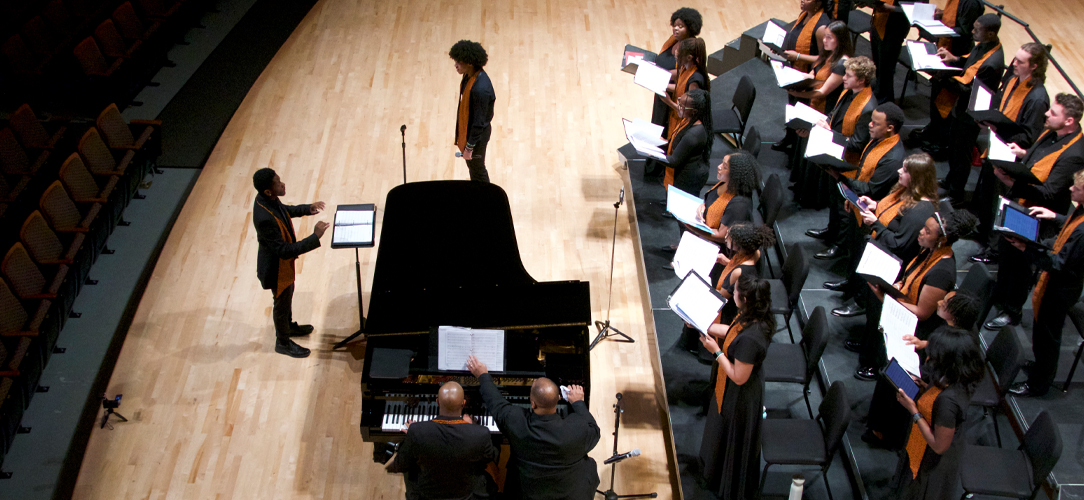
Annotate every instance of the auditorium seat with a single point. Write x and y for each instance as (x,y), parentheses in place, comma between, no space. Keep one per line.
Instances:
(31,132)
(12,352)
(27,280)
(64,216)
(81,184)
(93,62)
(130,26)
(21,60)
(60,19)
(98,157)
(112,43)
(9,192)
(44,244)
(15,320)
(14,159)
(160,9)
(119,134)
(41,40)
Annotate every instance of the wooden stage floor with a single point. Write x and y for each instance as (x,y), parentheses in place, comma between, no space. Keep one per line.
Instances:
(215,413)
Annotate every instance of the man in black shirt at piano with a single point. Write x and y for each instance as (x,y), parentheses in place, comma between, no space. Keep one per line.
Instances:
(446,457)
(549,452)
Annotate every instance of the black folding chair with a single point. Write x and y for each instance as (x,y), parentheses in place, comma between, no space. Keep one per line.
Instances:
(1005,357)
(797,363)
(1019,473)
(786,291)
(733,120)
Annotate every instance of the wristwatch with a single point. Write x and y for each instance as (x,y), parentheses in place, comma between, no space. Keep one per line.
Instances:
(716,354)
(916,417)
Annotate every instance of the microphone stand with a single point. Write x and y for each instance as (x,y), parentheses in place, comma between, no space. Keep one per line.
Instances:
(402,130)
(609,494)
(606,331)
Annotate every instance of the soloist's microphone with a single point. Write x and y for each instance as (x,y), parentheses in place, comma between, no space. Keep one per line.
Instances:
(402,130)
(622,456)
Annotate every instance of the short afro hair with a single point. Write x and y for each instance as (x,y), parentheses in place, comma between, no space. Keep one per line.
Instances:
(690,18)
(263,179)
(468,52)
(991,22)
(893,115)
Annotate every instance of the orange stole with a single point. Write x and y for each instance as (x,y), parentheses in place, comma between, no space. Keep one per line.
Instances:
(735,261)
(912,281)
(888,208)
(463,116)
(916,444)
(946,99)
(1011,102)
(714,215)
(870,157)
(1041,169)
(720,377)
(804,44)
(880,19)
(1044,277)
(821,77)
(850,118)
(948,18)
(668,44)
(679,90)
(668,177)
(286,266)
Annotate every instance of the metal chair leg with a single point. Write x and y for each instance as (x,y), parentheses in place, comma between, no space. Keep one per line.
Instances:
(808,407)
(1076,361)
(789,331)
(824,472)
(763,476)
(997,430)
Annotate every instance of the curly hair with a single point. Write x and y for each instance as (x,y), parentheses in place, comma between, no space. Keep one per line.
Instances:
(863,68)
(696,47)
(699,101)
(744,174)
(690,18)
(923,183)
(956,224)
(756,295)
(749,238)
(953,358)
(263,179)
(964,309)
(468,52)
(1039,58)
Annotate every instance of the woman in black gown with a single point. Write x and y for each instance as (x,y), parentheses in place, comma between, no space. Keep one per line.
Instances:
(684,23)
(689,149)
(730,450)
(929,465)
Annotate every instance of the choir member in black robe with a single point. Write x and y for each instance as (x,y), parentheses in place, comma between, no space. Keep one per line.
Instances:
(475,112)
(1061,282)
(548,458)
(446,457)
(690,147)
(684,23)
(889,29)
(730,449)
(802,46)
(960,15)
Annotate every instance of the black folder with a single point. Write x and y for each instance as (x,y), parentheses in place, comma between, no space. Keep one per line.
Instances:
(1017,171)
(631,50)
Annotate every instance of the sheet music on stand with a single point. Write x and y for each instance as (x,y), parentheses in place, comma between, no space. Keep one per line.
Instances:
(652,77)
(694,254)
(696,302)
(897,321)
(880,268)
(353,227)
(922,16)
(455,344)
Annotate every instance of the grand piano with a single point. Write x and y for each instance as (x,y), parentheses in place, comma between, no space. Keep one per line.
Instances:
(448,256)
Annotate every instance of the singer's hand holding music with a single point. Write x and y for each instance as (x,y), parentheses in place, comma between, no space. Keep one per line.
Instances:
(316,208)
(915,341)
(1017,150)
(1042,213)
(709,343)
(906,402)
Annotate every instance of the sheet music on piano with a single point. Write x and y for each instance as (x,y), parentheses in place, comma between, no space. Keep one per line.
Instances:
(455,344)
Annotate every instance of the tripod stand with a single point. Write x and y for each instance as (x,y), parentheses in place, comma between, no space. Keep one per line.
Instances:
(606,331)
(105,418)
(610,494)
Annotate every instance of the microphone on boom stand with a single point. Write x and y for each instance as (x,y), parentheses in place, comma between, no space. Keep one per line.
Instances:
(402,131)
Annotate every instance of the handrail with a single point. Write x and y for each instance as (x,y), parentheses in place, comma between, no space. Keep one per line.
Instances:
(1000,9)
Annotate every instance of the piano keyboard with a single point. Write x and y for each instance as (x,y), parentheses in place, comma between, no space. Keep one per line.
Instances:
(397,413)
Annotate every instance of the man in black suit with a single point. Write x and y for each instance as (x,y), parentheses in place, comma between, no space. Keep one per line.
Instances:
(446,457)
(549,452)
(279,248)
(476,97)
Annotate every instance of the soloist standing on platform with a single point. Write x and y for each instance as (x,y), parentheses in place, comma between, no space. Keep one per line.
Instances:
(446,457)
(476,97)
(549,452)
(279,249)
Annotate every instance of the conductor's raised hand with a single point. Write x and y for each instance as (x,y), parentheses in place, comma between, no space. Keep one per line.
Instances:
(319,229)
(575,393)
(316,208)
(477,368)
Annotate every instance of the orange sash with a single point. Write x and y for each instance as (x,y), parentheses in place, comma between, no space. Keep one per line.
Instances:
(668,44)
(916,444)
(850,118)
(821,77)
(679,90)
(916,272)
(871,156)
(735,261)
(463,116)
(1044,277)
(286,266)
(1011,102)
(804,43)
(946,99)
(714,215)
(668,177)
(720,377)
(880,19)
(888,208)
(1041,169)
(948,18)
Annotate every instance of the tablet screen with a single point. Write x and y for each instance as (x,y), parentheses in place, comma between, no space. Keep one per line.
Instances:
(1021,223)
(901,379)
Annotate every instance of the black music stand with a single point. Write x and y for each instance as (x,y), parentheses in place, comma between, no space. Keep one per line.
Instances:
(367,207)
(606,331)
(610,494)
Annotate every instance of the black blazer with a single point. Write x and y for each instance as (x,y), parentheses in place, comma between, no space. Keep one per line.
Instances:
(445,460)
(278,243)
(481,108)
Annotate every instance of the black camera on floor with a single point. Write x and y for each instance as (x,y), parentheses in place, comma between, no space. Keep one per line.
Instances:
(111,404)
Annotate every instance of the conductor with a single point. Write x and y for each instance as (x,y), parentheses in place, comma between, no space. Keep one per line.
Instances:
(446,457)
(548,458)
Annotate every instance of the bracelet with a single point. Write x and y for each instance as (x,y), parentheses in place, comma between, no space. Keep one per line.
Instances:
(716,354)
(916,417)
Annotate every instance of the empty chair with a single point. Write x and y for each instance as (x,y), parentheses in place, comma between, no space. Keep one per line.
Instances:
(15,320)
(807,442)
(46,247)
(771,202)
(797,363)
(81,184)
(111,43)
(120,134)
(12,352)
(92,61)
(130,26)
(1004,358)
(1076,315)
(751,143)
(1015,473)
(979,284)
(858,22)
(786,291)
(31,132)
(98,158)
(14,159)
(63,214)
(732,120)
(8,192)
(26,278)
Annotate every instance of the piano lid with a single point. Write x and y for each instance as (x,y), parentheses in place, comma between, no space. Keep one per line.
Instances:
(448,256)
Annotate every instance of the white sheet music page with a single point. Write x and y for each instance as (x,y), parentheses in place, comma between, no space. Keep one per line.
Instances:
(773,34)
(685,207)
(999,150)
(652,77)
(361,233)
(805,113)
(877,262)
(694,302)
(352,217)
(694,254)
(820,143)
(897,321)
(922,59)
(785,75)
(644,131)
(455,344)
(982,98)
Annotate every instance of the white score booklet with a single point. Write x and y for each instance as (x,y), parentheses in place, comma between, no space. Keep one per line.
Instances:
(696,302)
(455,343)
(897,321)
(652,77)
(694,254)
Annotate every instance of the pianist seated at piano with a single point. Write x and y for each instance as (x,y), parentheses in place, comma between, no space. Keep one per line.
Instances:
(446,456)
(548,458)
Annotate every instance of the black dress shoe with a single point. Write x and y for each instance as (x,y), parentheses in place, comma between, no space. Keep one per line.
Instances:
(849,311)
(831,253)
(866,373)
(983,257)
(1002,320)
(918,134)
(837,286)
(297,330)
(871,439)
(290,348)
(853,346)
(782,146)
(668,267)
(821,234)
(1023,390)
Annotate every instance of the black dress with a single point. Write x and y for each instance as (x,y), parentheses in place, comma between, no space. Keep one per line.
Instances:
(938,475)
(730,450)
(691,336)
(688,159)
